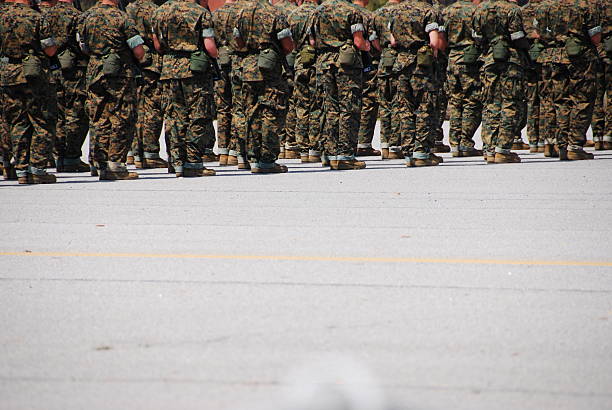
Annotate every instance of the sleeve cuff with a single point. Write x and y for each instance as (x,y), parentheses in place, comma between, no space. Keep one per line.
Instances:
(135,41)
(373,36)
(517,36)
(208,33)
(48,42)
(441,29)
(594,31)
(236,33)
(284,33)
(431,27)
(355,28)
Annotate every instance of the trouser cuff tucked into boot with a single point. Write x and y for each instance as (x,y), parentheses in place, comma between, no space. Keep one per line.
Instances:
(314,153)
(419,155)
(116,166)
(364,145)
(224,151)
(502,150)
(384,145)
(233,153)
(193,165)
(37,171)
(607,138)
(151,155)
(343,158)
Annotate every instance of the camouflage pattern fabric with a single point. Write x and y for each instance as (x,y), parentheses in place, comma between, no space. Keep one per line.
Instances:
(261,27)
(23,32)
(464,86)
(150,116)
(333,25)
(533,80)
(414,105)
(73,121)
(572,79)
(440,78)
(188,100)
(107,29)
(304,93)
(503,82)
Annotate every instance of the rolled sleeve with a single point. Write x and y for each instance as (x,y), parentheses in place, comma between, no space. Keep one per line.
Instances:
(595,31)
(284,33)
(48,42)
(431,27)
(208,33)
(441,29)
(135,41)
(355,28)
(517,35)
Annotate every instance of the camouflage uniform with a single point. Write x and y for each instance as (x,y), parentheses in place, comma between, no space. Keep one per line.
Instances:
(414,105)
(188,100)
(149,111)
(500,21)
(112,97)
(288,118)
(73,121)
(307,111)
(536,144)
(464,87)
(573,84)
(369,92)
(25,33)
(333,25)
(5,139)
(261,27)
(602,116)
(440,77)
(387,82)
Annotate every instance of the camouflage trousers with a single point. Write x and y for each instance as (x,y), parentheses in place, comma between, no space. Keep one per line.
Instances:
(504,97)
(55,104)
(608,102)
(387,87)
(5,137)
(223,101)
(599,112)
(369,109)
(288,118)
(73,119)
(441,104)
(341,87)
(533,108)
(239,123)
(112,108)
(188,106)
(31,126)
(573,92)
(414,108)
(265,103)
(304,98)
(547,126)
(465,105)
(150,120)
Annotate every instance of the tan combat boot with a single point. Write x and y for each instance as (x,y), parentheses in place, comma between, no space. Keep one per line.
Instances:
(26,180)
(471,153)
(292,154)
(210,157)
(429,162)
(223,160)
(195,173)
(232,161)
(44,179)
(551,151)
(108,175)
(152,163)
(346,164)
(436,158)
(396,155)
(520,146)
(589,144)
(384,152)
(76,168)
(439,147)
(598,145)
(367,152)
(607,145)
(130,160)
(9,173)
(579,155)
(276,169)
(510,158)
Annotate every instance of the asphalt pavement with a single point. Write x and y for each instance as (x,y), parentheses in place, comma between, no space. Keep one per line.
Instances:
(462,286)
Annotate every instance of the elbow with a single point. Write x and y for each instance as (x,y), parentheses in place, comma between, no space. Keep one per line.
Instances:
(50,51)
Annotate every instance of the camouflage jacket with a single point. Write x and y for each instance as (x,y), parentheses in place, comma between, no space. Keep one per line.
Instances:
(285,7)
(141,12)
(23,31)
(225,19)
(411,24)
(559,20)
(498,19)
(369,26)
(181,26)
(298,22)
(106,30)
(382,18)
(458,28)
(64,20)
(260,26)
(334,23)
(529,18)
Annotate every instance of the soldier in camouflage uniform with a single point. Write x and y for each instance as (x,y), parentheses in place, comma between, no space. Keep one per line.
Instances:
(602,118)
(304,93)
(338,31)
(440,78)
(386,81)
(464,87)
(369,92)
(575,31)
(25,43)
(267,39)
(5,142)
(223,86)
(149,111)
(498,25)
(290,148)
(72,121)
(183,31)
(415,36)
(113,44)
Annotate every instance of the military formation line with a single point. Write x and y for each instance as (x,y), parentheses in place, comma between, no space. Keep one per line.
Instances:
(305,80)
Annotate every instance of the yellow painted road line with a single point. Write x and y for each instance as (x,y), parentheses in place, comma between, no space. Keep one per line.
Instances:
(312,258)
